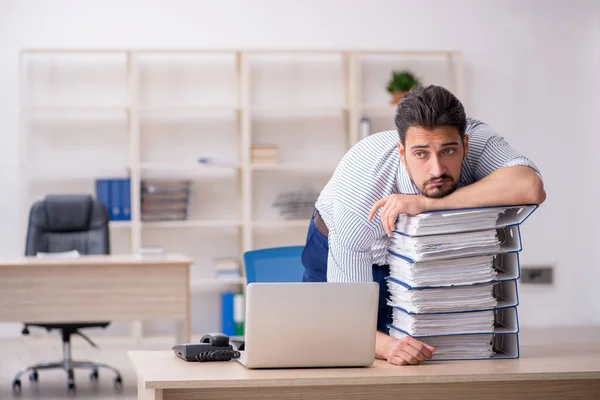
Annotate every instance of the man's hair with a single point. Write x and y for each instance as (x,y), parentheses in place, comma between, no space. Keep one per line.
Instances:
(430,107)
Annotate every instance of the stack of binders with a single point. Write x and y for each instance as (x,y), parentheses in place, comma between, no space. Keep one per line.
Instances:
(453,281)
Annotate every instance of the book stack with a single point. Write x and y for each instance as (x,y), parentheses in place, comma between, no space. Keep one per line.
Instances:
(227,269)
(453,281)
(165,200)
(264,154)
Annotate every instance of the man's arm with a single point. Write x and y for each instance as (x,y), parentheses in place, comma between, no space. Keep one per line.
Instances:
(503,187)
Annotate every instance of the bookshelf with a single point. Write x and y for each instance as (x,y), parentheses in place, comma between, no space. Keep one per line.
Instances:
(152,114)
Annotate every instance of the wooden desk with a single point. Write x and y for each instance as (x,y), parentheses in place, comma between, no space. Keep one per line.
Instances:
(544,372)
(96,288)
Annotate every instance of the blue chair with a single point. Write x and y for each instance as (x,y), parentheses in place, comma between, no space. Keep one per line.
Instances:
(278,264)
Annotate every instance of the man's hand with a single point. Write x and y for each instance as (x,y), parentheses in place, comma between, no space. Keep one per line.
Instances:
(396,204)
(407,351)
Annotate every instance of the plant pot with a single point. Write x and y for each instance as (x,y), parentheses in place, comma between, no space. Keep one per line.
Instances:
(396,97)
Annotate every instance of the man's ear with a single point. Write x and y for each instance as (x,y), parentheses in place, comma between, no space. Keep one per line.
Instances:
(466,144)
(401,153)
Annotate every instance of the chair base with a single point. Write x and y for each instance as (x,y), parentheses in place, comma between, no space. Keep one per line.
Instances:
(66,364)
(69,367)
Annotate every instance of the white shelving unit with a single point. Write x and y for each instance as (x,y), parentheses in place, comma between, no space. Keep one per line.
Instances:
(87,114)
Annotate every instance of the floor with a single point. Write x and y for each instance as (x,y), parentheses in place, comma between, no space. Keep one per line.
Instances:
(16,353)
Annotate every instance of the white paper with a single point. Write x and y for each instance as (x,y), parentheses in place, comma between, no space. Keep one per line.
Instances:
(62,254)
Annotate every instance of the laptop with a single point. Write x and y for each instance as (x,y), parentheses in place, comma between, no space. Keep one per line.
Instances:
(298,325)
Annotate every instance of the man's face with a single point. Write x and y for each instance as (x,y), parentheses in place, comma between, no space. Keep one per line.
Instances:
(433,159)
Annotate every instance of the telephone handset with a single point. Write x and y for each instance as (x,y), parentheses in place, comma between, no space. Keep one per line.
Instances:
(212,347)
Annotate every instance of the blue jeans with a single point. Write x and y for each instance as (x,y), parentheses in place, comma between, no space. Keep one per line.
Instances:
(314,259)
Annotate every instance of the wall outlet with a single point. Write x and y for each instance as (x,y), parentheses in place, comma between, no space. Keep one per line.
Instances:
(539,274)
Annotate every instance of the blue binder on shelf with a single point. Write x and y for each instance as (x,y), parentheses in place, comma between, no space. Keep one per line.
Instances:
(441,222)
(508,266)
(103,192)
(125,199)
(506,320)
(505,292)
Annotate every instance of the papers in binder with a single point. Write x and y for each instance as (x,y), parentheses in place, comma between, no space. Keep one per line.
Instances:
(462,220)
(483,296)
(503,320)
(453,272)
(465,244)
(470,347)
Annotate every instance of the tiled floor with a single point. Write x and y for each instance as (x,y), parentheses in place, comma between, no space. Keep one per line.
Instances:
(18,353)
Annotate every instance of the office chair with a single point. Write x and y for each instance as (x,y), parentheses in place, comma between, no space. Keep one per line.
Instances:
(277,264)
(63,223)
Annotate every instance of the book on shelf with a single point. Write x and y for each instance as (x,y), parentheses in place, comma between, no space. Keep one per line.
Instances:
(227,269)
(165,200)
(264,154)
(115,194)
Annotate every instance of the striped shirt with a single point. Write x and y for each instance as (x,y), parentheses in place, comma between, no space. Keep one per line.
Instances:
(371,170)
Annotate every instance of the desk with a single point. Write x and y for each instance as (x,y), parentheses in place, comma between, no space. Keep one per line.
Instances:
(545,372)
(96,288)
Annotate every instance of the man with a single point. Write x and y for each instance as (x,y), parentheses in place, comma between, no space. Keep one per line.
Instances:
(437,159)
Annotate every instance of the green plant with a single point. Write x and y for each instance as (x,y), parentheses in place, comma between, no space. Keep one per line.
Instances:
(402,81)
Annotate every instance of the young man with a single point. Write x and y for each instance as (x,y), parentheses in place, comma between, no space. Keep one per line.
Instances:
(437,159)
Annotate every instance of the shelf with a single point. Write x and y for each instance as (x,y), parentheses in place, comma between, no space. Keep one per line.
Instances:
(120,224)
(308,167)
(204,284)
(294,112)
(36,173)
(75,108)
(191,224)
(278,223)
(379,109)
(195,170)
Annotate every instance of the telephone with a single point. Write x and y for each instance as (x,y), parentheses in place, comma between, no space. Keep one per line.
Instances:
(212,347)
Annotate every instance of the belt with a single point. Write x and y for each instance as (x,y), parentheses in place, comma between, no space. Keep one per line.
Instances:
(320,224)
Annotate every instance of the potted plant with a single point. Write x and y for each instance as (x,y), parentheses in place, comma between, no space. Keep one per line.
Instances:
(400,84)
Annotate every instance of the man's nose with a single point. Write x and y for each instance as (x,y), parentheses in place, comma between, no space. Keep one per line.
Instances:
(435,167)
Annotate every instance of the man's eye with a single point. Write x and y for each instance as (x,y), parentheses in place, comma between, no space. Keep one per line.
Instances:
(449,151)
(420,154)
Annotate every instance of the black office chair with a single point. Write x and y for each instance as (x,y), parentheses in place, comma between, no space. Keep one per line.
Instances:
(63,223)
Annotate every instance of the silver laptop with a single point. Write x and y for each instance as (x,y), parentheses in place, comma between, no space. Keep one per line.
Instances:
(294,325)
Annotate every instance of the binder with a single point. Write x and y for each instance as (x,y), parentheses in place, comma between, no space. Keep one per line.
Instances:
(125,199)
(103,192)
(505,320)
(457,245)
(463,220)
(502,345)
(505,294)
(116,206)
(506,265)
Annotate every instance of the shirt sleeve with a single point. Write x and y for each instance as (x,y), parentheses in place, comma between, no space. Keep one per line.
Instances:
(350,239)
(497,153)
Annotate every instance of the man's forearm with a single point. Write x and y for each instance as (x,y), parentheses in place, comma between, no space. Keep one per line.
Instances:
(505,186)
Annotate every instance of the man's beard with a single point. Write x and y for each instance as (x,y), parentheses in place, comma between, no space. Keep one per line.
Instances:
(439,192)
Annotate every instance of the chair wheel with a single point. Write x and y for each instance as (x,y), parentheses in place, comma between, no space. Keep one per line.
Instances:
(94,375)
(33,376)
(118,383)
(16,385)
(71,387)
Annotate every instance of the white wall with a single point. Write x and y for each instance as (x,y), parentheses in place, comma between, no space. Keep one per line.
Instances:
(530,71)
